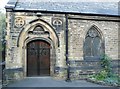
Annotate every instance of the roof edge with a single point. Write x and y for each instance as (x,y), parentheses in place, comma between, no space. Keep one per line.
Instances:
(74,13)
(11,4)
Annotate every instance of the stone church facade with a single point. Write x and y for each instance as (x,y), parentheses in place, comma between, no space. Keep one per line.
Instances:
(47,43)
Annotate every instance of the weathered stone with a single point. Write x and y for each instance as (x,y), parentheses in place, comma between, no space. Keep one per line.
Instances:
(18,37)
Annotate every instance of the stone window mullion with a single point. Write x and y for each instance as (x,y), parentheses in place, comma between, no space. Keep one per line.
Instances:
(92,45)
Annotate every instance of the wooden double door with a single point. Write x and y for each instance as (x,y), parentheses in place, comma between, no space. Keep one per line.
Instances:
(38,58)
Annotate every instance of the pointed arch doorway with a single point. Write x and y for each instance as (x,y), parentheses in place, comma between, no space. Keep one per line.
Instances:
(38,58)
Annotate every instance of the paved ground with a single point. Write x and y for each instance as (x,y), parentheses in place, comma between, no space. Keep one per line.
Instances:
(0,71)
(0,75)
(50,82)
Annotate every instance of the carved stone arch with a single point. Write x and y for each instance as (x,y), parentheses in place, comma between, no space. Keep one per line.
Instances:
(30,27)
(52,53)
(38,27)
(25,37)
(39,38)
(97,29)
(93,46)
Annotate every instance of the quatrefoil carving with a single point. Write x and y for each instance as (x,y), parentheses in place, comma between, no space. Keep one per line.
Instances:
(19,22)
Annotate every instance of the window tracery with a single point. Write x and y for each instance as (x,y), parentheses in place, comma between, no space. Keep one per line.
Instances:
(93,44)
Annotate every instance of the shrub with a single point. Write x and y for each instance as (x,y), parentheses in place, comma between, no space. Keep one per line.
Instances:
(106,74)
(106,65)
(101,75)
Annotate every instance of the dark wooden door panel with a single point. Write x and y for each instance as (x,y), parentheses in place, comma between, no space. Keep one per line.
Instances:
(38,58)
(44,61)
(32,59)
(32,66)
(45,72)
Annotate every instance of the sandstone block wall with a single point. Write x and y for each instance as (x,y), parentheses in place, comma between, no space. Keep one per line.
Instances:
(78,29)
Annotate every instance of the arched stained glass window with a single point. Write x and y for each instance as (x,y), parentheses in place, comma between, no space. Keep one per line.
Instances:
(93,44)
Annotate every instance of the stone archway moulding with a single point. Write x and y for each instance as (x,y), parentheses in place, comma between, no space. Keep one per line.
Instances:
(25,38)
(24,32)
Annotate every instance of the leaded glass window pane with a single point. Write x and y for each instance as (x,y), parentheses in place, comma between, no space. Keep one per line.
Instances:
(87,47)
(92,33)
(92,44)
(96,46)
